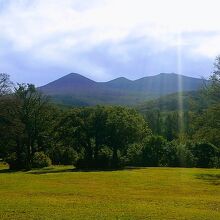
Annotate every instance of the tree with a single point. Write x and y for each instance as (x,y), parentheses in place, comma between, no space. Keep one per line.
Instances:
(205,154)
(5,84)
(214,87)
(153,151)
(11,126)
(100,133)
(154,120)
(124,127)
(83,129)
(206,126)
(171,126)
(26,118)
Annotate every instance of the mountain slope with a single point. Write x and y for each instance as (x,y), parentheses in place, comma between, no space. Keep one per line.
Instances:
(75,89)
(193,100)
(68,84)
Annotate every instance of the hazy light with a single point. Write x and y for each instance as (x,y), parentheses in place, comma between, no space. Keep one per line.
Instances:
(180,88)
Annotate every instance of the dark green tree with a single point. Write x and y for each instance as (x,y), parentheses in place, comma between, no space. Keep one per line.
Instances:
(154,151)
(205,154)
(5,84)
(124,127)
(214,86)
(26,118)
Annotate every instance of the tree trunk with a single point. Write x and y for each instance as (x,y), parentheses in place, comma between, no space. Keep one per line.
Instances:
(115,162)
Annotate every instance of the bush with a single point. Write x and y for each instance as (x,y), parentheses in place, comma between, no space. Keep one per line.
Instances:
(104,157)
(69,157)
(185,156)
(205,154)
(153,151)
(12,161)
(102,160)
(63,155)
(16,162)
(134,155)
(41,160)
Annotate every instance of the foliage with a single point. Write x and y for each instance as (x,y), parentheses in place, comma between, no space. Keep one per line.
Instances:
(214,87)
(124,127)
(26,117)
(205,154)
(106,137)
(5,84)
(87,130)
(134,155)
(184,155)
(153,151)
(40,160)
(207,125)
(104,157)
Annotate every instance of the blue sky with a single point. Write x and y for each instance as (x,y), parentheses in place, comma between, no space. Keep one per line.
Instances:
(42,40)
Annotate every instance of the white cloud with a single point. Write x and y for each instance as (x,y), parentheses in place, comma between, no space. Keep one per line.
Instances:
(28,23)
(51,30)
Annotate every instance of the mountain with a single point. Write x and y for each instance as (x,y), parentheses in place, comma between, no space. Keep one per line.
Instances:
(69,84)
(75,89)
(192,101)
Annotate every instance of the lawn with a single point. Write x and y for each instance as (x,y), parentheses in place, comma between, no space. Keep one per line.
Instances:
(143,193)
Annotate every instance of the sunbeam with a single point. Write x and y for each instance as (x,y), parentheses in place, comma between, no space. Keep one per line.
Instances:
(180,83)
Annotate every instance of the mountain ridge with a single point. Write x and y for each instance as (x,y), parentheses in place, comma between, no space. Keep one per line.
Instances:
(79,89)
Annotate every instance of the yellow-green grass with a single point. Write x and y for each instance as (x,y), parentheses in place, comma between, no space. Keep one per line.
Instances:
(144,193)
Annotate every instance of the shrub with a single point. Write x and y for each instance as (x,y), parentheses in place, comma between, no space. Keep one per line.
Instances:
(16,162)
(185,156)
(12,161)
(134,155)
(41,160)
(205,154)
(104,157)
(102,160)
(153,151)
(63,155)
(69,157)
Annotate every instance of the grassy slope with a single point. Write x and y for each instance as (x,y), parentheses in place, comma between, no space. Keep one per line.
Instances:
(148,193)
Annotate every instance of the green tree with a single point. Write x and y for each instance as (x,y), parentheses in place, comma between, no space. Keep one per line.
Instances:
(26,118)
(205,154)
(5,84)
(214,87)
(90,131)
(154,120)
(154,151)
(206,126)
(124,127)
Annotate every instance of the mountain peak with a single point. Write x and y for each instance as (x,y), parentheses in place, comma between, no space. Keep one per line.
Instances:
(121,90)
(120,79)
(68,83)
(165,74)
(75,76)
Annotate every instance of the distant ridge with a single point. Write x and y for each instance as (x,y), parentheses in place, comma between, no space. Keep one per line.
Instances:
(75,89)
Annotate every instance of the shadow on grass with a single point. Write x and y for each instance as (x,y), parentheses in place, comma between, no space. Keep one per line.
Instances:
(210,178)
(54,170)
(50,170)
(7,171)
(65,170)
(36,171)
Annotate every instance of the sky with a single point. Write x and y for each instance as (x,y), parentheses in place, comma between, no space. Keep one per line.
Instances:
(42,40)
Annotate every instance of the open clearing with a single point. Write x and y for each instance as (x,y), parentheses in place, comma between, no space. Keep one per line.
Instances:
(142,193)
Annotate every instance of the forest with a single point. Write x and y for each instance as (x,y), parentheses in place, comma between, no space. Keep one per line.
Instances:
(35,133)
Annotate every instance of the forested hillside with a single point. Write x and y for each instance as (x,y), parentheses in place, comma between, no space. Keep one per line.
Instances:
(180,130)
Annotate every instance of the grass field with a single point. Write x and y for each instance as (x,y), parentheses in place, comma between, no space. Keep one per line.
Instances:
(144,193)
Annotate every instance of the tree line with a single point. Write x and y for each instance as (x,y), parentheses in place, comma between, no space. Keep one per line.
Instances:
(36,133)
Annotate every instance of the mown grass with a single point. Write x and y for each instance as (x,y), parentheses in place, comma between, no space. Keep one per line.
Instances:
(144,193)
